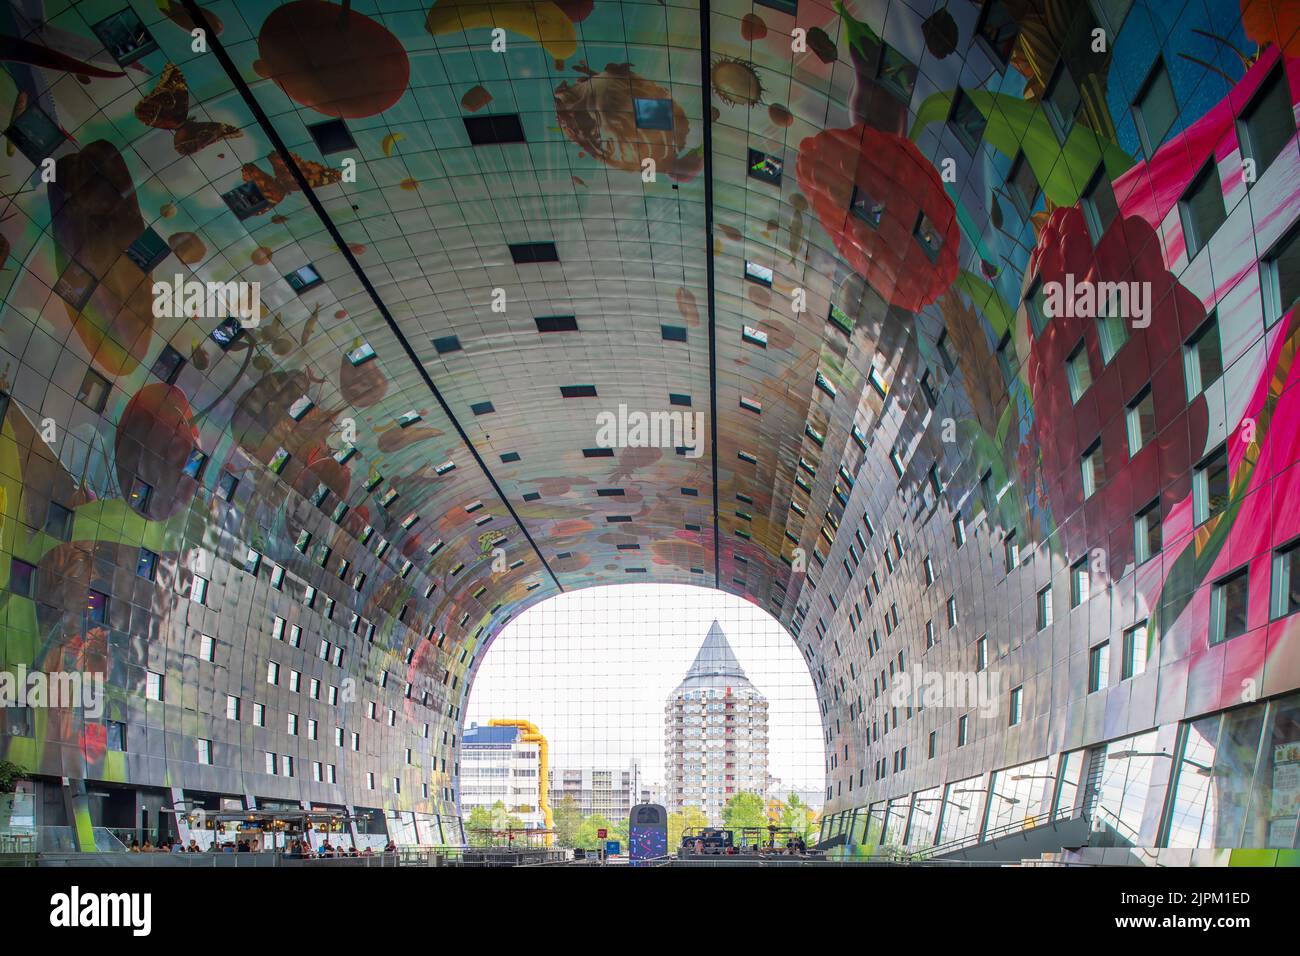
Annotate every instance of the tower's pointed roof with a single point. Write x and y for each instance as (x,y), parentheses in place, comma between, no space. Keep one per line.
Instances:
(716,658)
(715,667)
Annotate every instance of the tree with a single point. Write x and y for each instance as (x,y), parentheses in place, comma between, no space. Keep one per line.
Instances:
(480,820)
(688,818)
(745,809)
(567,819)
(586,836)
(10,774)
(800,817)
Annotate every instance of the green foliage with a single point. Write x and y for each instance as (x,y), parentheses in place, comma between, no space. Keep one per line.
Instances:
(678,823)
(10,774)
(483,819)
(745,809)
(568,818)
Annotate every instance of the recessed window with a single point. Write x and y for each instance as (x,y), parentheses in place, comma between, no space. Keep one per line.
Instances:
(1140,421)
(246,200)
(1044,604)
(959,530)
(1155,109)
(754,336)
(22,578)
(1285,598)
(1023,185)
(487,130)
(1017,698)
(578,391)
(1268,123)
(866,207)
(760,274)
(146,564)
(1112,333)
(896,73)
(75,285)
(226,485)
(446,344)
(1147,534)
(765,167)
(58,522)
(97,607)
(148,250)
(556,323)
(303,278)
(35,134)
(153,685)
(332,136)
(1062,100)
(1201,209)
(1098,204)
(1078,372)
(1280,278)
(1211,484)
(963,730)
(841,320)
(199,590)
(1079,582)
(167,366)
(1036,308)
(1092,469)
(278,461)
(598,453)
(751,405)
(361,354)
(967,121)
(125,37)
(982,653)
(1202,358)
(927,237)
(653,113)
(524,253)
(482,408)
(673,333)
(94,391)
(998,28)
(1010,552)
(1134,659)
(1099,667)
(509,457)
(227,333)
(1228,605)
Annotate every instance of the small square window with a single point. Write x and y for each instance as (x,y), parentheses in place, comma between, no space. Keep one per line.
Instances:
(226,485)
(125,37)
(245,201)
(673,333)
(1280,278)
(167,366)
(94,391)
(139,495)
(482,408)
(896,73)
(303,278)
(1023,186)
(653,113)
(757,273)
(146,564)
(75,285)
(1155,109)
(1134,660)
(1099,206)
(765,167)
(1078,372)
(529,252)
(1211,486)
(58,522)
(1202,358)
(1099,667)
(1079,583)
(489,130)
(35,134)
(1044,604)
(1017,698)
(967,121)
(1147,535)
(865,207)
(1093,469)
(1140,421)
(1268,122)
(1286,581)
(1201,210)
(22,578)
(153,686)
(928,237)
(227,332)
(332,136)
(556,323)
(148,250)
(97,607)
(446,344)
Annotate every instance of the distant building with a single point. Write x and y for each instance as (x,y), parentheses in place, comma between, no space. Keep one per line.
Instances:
(715,732)
(496,765)
(611,793)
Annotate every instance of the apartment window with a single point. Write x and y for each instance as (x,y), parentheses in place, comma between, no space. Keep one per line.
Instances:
(1078,372)
(286,765)
(1280,278)
(952,612)
(959,530)
(1036,307)
(1140,421)
(967,121)
(1228,597)
(1079,582)
(1155,108)
(1092,469)
(998,28)
(933,745)
(1201,209)
(226,486)
(207,648)
(866,207)
(273,672)
(1011,552)
(982,653)
(1062,100)
(1134,651)
(1099,667)
(1112,333)
(259,715)
(1210,486)
(153,686)
(1098,204)
(1017,695)
(199,589)
(1268,122)
(94,391)
(22,578)
(204,748)
(1202,358)
(963,727)
(1285,592)
(1147,540)
(291,725)
(146,564)
(269,762)
(58,522)
(929,571)
(896,73)
(929,634)
(97,607)
(232,707)
(1023,185)
(1045,607)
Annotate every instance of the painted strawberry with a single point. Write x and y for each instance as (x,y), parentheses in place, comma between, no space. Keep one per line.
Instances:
(156,437)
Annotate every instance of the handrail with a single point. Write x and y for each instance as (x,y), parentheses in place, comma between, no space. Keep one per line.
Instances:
(1007,829)
(1130,832)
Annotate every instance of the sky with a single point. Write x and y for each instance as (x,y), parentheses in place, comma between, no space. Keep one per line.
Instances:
(593,669)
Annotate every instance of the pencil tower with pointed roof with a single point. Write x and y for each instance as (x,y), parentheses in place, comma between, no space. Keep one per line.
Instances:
(715,732)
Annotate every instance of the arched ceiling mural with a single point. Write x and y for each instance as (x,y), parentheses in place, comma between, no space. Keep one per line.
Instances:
(474,237)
